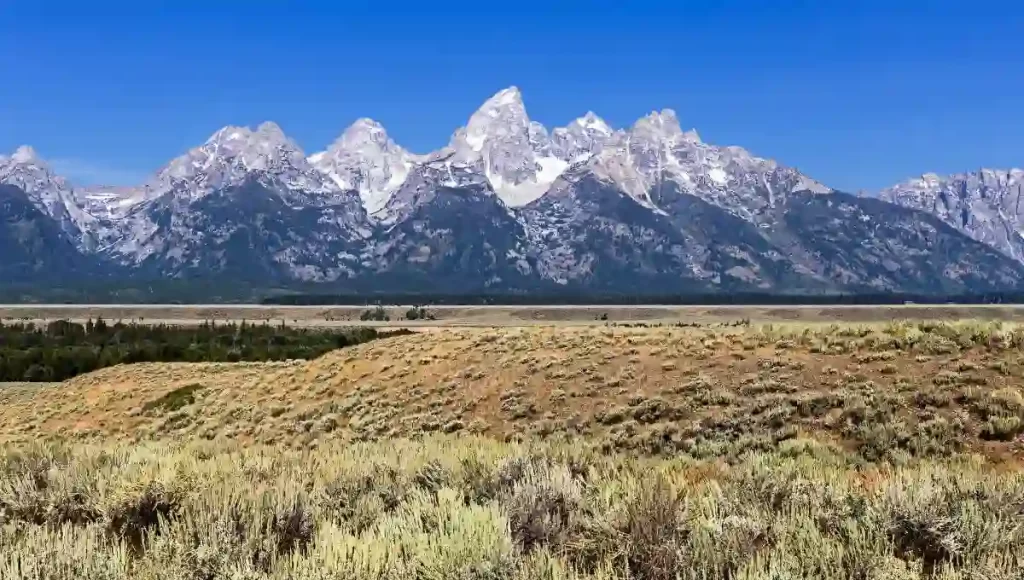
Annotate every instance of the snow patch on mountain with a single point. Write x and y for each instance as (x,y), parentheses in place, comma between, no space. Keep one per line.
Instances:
(656,150)
(422,184)
(365,159)
(506,190)
(107,203)
(49,193)
(230,156)
(582,139)
(518,156)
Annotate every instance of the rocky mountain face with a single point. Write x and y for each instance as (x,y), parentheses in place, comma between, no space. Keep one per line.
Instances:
(987,205)
(656,151)
(585,232)
(33,245)
(509,206)
(866,245)
(517,156)
(251,232)
(49,193)
(366,160)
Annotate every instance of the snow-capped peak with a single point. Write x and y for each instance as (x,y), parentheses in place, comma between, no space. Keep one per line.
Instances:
(510,97)
(960,185)
(271,131)
(363,131)
(664,123)
(664,126)
(48,192)
(27,171)
(582,138)
(25,154)
(591,122)
(238,137)
(247,145)
(366,160)
(640,158)
(501,116)
(514,153)
(518,156)
(506,106)
(230,156)
(656,150)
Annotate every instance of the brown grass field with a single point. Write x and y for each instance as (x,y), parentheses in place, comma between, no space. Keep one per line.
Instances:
(798,450)
(514,316)
(873,389)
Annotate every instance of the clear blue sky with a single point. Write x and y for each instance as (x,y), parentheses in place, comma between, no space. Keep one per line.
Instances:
(859,94)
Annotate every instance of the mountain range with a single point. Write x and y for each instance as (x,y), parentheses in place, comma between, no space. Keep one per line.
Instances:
(510,206)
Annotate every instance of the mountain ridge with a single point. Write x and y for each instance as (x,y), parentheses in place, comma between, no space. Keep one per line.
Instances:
(509,204)
(986,204)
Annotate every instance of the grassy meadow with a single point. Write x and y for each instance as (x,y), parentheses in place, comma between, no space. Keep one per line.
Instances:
(881,451)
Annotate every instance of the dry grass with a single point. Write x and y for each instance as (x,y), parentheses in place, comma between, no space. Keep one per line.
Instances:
(883,392)
(470,508)
(832,452)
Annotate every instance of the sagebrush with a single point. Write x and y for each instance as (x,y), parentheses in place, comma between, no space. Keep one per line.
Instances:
(884,391)
(473,508)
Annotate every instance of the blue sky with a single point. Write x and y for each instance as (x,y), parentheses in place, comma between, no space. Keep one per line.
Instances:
(857,94)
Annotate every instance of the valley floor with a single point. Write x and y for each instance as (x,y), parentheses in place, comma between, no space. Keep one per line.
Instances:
(488,316)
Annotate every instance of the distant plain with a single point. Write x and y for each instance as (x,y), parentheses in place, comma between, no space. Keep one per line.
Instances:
(506,316)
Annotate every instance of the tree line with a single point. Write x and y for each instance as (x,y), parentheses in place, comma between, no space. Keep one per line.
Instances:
(62,349)
(607,299)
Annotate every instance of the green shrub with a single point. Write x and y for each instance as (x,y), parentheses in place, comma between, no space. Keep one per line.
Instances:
(377,314)
(62,349)
(175,399)
(1002,428)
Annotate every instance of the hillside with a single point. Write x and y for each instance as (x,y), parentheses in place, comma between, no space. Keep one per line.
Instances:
(588,453)
(924,389)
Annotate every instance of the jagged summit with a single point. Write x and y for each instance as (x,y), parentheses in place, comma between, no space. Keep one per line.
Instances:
(364,128)
(501,116)
(510,97)
(365,159)
(361,131)
(656,151)
(987,204)
(511,204)
(665,122)
(591,122)
(664,125)
(235,140)
(50,193)
(25,154)
(230,156)
(245,142)
(519,157)
(25,169)
(501,142)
